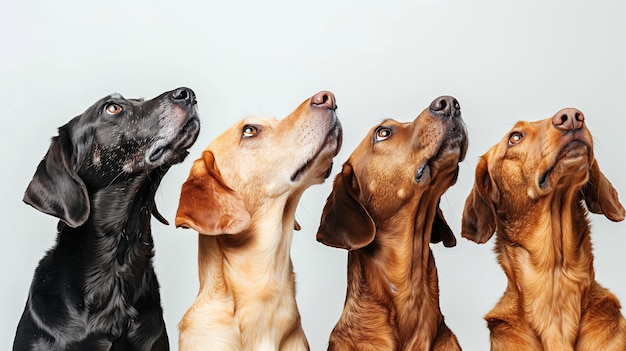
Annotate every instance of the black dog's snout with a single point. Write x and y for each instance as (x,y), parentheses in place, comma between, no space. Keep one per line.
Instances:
(184,95)
(445,106)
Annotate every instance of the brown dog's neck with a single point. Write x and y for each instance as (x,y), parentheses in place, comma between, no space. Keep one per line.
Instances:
(552,236)
(398,270)
(548,260)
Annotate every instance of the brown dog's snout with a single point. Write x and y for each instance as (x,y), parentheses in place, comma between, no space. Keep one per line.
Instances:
(324,99)
(445,106)
(568,119)
(184,95)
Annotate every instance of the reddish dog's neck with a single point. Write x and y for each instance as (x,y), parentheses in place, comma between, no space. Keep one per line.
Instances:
(398,270)
(549,263)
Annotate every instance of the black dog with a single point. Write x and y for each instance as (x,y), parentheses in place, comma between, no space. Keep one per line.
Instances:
(96,288)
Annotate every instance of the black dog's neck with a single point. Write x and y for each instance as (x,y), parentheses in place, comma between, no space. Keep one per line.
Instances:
(118,246)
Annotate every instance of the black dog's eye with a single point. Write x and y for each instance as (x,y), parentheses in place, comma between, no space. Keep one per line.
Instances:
(249,131)
(515,138)
(113,108)
(382,133)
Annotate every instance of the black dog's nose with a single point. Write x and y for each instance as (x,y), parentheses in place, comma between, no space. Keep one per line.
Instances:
(568,119)
(324,99)
(184,95)
(445,106)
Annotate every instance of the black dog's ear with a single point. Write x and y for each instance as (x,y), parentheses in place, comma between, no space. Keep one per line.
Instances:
(56,189)
(345,222)
(441,231)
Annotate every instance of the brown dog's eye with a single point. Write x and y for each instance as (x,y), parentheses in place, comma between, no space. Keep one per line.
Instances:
(249,131)
(113,109)
(515,138)
(382,133)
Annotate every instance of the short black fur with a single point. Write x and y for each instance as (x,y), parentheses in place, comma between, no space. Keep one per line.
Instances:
(96,289)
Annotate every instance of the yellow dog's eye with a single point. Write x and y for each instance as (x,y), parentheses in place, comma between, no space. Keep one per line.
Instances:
(113,109)
(249,131)
(382,133)
(515,138)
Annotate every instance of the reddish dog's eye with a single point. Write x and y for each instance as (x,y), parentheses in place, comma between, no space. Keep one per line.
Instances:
(249,131)
(113,109)
(515,138)
(382,133)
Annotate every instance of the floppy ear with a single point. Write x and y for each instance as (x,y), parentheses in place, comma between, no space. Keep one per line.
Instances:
(345,222)
(441,231)
(479,214)
(207,204)
(600,195)
(56,189)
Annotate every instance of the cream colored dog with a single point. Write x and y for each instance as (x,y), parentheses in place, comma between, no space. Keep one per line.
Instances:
(241,196)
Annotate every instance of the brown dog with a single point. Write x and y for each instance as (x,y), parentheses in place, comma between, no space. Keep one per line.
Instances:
(241,196)
(384,209)
(529,189)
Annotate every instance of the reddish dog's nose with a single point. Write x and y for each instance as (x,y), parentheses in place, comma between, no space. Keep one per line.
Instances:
(324,99)
(445,106)
(568,119)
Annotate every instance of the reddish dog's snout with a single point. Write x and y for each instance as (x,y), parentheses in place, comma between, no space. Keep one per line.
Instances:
(324,99)
(445,106)
(568,119)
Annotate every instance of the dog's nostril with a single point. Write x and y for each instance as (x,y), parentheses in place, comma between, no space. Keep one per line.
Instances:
(324,99)
(446,106)
(184,94)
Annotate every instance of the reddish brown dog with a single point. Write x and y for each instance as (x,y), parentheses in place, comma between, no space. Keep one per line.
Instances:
(384,209)
(530,189)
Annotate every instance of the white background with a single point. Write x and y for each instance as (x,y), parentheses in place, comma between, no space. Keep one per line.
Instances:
(503,60)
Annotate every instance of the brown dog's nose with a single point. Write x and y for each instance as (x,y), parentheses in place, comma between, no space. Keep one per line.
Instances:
(324,99)
(568,119)
(184,95)
(445,106)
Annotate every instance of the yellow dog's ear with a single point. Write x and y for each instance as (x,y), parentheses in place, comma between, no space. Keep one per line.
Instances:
(600,195)
(207,204)
(345,222)
(479,214)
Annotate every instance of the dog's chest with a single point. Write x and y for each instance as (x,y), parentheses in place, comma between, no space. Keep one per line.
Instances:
(552,304)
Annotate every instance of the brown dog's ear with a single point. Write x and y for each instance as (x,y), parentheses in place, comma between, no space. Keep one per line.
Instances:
(441,231)
(56,189)
(345,222)
(600,195)
(479,214)
(207,204)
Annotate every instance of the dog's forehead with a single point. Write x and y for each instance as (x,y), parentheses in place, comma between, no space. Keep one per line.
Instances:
(525,125)
(387,122)
(235,131)
(115,96)
(118,96)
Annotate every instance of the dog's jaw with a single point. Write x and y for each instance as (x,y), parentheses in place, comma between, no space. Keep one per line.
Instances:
(170,147)
(573,160)
(452,148)
(327,150)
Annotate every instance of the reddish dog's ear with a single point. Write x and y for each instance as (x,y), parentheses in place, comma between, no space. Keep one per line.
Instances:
(207,204)
(345,222)
(600,195)
(479,215)
(441,231)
